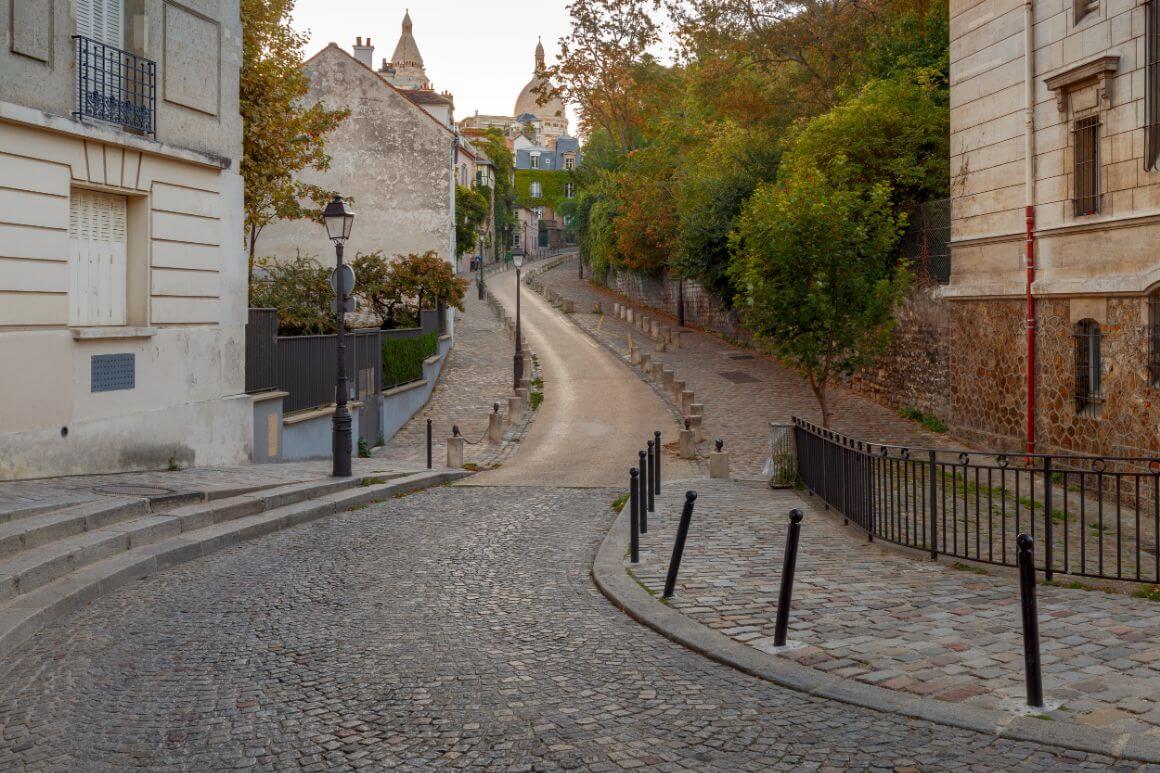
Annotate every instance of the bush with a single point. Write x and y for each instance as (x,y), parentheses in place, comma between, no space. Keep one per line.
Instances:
(403,358)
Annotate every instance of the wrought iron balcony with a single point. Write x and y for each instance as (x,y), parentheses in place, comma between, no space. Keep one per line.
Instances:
(115,86)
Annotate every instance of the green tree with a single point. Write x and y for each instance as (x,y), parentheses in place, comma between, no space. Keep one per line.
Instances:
(300,290)
(471,210)
(818,276)
(493,144)
(397,290)
(282,135)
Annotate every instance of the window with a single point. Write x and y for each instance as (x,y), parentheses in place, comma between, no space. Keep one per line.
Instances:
(101,20)
(535,190)
(569,162)
(569,190)
(1154,337)
(1087,166)
(1151,86)
(98,259)
(1087,365)
(1084,7)
(535,160)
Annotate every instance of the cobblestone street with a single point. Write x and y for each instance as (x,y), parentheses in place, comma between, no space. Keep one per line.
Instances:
(741,391)
(454,627)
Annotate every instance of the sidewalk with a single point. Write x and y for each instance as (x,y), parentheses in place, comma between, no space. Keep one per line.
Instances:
(741,390)
(872,615)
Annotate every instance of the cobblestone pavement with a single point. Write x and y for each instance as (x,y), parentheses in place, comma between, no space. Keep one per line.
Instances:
(741,391)
(49,493)
(872,614)
(477,374)
(455,627)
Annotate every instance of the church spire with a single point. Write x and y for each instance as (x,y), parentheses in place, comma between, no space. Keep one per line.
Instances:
(539,55)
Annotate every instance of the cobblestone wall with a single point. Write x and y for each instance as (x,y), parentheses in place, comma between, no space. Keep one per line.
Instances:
(915,372)
(987,372)
(702,309)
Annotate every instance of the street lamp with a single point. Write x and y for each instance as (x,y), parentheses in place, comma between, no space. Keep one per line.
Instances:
(519,360)
(339,218)
(481,289)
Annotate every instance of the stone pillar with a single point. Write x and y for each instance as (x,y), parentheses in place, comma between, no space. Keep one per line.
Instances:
(688,445)
(569,307)
(667,378)
(696,409)
(686,402)
(678,386)
(455,452)
(522,394)
(695,426)
(656,369)
(526,383)
(634,355)
(616,310)
(675,338)
(515,410)
(644,361)
(628,315)
(495,427)
(719,464)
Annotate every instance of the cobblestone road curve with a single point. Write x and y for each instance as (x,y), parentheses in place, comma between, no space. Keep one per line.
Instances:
(454,627)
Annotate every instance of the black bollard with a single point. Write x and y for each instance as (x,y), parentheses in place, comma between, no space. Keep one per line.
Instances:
(649,484)
(679,544)
(787,570)
(657,458)
(428,444)
(642,496)
(1025,546)
(634,514)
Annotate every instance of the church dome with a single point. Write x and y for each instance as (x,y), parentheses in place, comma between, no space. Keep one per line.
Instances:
(529,99)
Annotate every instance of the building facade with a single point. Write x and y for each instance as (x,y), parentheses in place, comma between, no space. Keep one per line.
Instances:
(1054,307)
(122,270)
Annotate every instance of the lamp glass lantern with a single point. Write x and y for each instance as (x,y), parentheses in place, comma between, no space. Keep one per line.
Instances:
(339,218)
(519,259)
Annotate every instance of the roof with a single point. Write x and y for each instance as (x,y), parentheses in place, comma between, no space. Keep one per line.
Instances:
(407,50)
(425,97)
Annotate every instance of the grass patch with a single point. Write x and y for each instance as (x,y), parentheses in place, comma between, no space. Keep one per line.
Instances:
(536,399)
(618,503)
(538,383)
(364,449)
(968,568)
(647,589)
(927,420)
(471,467)
(372,481)
(1148,594)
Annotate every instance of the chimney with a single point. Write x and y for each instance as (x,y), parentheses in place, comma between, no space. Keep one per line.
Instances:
(365,53)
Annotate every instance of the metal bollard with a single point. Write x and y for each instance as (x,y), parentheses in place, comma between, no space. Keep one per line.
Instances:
(787,569)
(1026,560)
(650,483)
(428,444)
(634,514)
(679,544)
(643,498)
(657,450)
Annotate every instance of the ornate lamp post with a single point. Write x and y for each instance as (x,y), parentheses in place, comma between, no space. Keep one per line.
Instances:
(339,218)
(519,360)
(480,283)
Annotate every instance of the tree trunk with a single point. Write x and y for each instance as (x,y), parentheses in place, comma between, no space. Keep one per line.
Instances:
(819,390)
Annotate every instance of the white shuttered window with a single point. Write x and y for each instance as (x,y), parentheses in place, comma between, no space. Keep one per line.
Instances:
(101,20)
(97,259)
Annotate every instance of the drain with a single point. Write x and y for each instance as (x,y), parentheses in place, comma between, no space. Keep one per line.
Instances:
(738,377)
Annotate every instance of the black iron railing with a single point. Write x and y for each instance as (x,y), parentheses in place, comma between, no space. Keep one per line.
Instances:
(1090,516)
(115,86)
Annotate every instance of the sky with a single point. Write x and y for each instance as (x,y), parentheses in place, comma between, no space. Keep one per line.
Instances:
(482,51)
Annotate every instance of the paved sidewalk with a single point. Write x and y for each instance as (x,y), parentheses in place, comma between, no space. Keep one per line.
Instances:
(873,615)
(742,391)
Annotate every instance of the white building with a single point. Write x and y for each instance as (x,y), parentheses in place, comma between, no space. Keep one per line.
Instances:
(122,270)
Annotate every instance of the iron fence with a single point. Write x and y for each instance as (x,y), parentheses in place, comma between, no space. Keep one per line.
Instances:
(308,368)
(261,350)
(115,86)
(926,243)
(1090,516)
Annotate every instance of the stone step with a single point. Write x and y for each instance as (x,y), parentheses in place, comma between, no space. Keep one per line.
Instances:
(84,567)
(35,530)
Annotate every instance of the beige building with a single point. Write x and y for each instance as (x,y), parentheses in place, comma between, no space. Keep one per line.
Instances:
(122,272)
(1055,224)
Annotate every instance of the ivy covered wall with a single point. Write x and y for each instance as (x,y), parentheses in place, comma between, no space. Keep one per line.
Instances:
(552,182)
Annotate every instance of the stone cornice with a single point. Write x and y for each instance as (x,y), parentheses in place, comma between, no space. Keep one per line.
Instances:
(1100,69)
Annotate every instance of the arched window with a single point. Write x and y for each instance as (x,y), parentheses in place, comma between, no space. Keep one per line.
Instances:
(1088,366)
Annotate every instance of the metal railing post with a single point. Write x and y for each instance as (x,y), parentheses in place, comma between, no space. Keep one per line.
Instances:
(933,512)
(657,459)
(1031,664)
(1048,521)
(634,514)
(642,496)
(428,444)
(651,478)
(679,544)
(785,595)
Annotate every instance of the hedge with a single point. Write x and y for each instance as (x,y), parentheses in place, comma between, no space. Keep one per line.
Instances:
(403,358)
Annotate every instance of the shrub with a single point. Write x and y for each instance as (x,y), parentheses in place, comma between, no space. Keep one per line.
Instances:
(403,358)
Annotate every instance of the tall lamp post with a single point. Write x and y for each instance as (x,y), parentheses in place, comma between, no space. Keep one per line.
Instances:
(481,288)
(518,369)
(339,218)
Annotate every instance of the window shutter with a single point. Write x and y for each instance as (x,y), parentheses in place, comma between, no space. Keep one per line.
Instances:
(102,21)
(97,258)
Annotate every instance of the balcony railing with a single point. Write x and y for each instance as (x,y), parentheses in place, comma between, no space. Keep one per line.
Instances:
(115,86)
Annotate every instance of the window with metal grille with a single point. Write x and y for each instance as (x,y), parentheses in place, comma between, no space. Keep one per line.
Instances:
(1151,86)
(1154,338)
(1087,166)
(1087,364)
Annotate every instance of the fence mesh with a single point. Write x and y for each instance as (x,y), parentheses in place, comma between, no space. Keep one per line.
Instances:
(926,243)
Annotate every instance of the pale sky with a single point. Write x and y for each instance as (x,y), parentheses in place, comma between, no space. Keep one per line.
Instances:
(482,51)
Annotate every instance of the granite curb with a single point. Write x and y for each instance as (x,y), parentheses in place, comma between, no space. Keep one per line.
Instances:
(610,573)
(28,614)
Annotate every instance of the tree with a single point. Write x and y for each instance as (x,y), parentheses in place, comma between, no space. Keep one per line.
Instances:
(399,289)
(493,144)
(282,135)
(300,290)
(818,277)
(471,210)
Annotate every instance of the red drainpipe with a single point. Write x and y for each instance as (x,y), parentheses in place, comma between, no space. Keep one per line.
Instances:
(1031,327)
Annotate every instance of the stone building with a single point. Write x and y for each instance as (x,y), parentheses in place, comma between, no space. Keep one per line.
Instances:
(1054,309)
(391,157)
(122,270)
(406,72)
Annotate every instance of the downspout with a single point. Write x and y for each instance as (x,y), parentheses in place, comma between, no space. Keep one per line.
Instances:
(1029,184)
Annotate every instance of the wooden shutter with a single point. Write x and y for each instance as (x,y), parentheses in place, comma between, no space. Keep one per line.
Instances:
(101,20)
(97,259)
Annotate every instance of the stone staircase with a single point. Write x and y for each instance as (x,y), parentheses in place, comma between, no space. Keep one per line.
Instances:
(55,560)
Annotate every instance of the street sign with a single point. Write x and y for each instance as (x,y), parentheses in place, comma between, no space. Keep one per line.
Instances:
(348,274)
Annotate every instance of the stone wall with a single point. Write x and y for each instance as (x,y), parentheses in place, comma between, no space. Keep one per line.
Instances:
(915,371)
(702,309)
(988,367)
